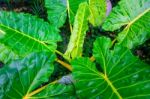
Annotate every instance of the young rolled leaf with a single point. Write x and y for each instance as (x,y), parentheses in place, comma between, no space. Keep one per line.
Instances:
(6,54)
(75,45)
(21,77)
(56,10)
(134,15)
(57,91)
(122,75)
(25,33)
(97,11)
(73,8)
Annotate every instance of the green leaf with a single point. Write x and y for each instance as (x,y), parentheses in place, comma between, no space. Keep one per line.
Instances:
(56,10)
(73,8)
(79,31)
(6,54)
(97,11)
(57,91)
(134,15)
(122,75)
(20,77)
(25,33)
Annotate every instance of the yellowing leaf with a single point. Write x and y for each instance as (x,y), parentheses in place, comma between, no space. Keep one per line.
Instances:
(79,31)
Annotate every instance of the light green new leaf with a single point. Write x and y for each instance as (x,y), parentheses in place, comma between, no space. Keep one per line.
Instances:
(25,33)
(6,54)
(73,7)
(97,11)
(21,77)
(79,31)
(123,76)
(57,12)
(57,91)
(134,15)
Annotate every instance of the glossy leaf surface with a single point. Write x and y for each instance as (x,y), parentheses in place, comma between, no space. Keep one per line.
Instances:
(123,76)
(79,31)
(57,91)
(134,15)
(20,77)
(25,33)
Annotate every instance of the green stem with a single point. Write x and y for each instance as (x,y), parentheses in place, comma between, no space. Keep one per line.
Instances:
(59,53)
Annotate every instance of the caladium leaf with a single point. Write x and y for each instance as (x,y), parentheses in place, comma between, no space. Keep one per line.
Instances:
(22,76)
(134,15)
(6,54)
(56,10)
(123,75)
(57,91)
(79,31)
(25,33)
(97,11)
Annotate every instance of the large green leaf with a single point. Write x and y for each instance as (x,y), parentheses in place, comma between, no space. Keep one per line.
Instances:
(57,91)
(97,11)
(6,54)
(25,33)
(20,77)
(118,75)
(56,10)
(79,31)
(134,15)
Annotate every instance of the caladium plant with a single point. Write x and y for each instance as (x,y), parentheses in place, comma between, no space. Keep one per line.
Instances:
(28,48)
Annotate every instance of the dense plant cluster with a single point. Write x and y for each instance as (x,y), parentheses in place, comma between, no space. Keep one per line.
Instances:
(29,51)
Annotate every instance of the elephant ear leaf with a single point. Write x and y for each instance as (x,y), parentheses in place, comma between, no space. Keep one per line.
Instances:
(118,75)
(97,11)
(25,33)
(134,15)
(22,76)
(75,45)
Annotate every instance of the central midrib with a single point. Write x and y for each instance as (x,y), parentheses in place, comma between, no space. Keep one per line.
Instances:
(111,85)
(132,22)
(41,42)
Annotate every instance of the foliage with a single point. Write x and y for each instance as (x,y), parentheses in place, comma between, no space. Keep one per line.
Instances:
(134,18)
(28,48)
(79,30)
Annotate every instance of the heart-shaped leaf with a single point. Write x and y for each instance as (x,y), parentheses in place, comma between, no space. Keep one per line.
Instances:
(119,74)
